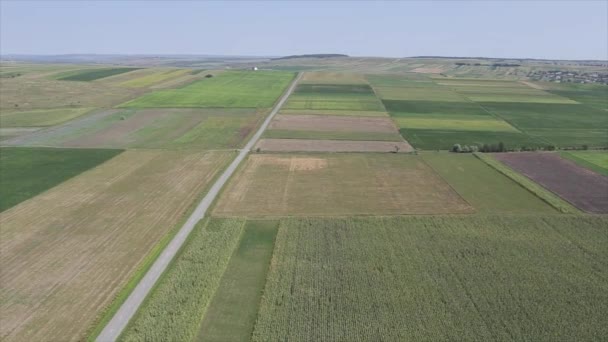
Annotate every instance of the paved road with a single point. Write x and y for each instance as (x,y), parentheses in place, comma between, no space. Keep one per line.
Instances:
(120,320)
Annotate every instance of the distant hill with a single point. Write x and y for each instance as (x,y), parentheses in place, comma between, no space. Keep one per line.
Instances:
(318,55)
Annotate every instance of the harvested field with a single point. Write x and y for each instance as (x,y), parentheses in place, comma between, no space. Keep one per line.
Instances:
(41,117)
(12,132)
(179,128)
(428,70)
(337,184)
(333,112)
(309,145)
(67,252)
(332,123)
(466,278)
(583,188)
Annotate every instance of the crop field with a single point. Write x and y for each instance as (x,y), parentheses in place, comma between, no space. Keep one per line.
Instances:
(91,74)
(67,252)
(243,283)
(563,125)
(399,108)
(593,160)
(26,172)
(592,95)
(454,122)
(244,89)
(585,189)
(468,278)
(176,128)
(346,97)
(487,190)
(292,144)
(174,310)
(155,78)
(332,184)
(40,117)
(333,128)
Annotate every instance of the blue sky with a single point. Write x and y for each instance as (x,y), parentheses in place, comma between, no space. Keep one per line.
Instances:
(542,29)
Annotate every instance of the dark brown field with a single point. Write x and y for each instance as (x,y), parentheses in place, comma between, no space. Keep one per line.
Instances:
(583,188)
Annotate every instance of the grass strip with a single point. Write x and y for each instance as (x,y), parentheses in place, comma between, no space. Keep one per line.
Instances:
(547,196)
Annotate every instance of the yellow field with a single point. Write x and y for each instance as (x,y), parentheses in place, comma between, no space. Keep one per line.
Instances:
(337,184)
(68,251)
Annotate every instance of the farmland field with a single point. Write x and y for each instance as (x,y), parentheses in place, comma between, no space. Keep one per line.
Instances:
(179,128)
(333,127)
(26,172)
(233,89)
(243,283)
(174,310)
(584,189)
(360,144)
(67,252)
(455,122)
(437,279)
(91,74)
(483,187)
(347,97)
(155,78)
(433,139)
(345,184)
(38,118)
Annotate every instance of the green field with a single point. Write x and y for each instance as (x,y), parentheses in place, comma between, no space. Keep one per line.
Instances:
(589,94)
(242,284)
(26,172)
(454,122)
(174,309)
(364,136)
(486,189)
(91,74)
(348,97)
(399,107)
(537,278)
(564,125)
(434,139)
(235,89)
(593,160)
(39,118)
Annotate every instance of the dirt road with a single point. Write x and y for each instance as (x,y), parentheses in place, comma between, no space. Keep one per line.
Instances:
(120,320)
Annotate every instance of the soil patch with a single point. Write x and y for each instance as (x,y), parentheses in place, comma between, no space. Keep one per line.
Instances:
(583,188)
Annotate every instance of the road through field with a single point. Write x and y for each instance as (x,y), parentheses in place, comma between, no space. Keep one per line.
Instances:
(112,330)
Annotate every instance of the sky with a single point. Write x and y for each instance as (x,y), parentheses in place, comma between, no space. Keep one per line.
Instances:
(526,29)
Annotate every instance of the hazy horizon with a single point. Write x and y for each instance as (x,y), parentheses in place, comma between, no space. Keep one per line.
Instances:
(559,30)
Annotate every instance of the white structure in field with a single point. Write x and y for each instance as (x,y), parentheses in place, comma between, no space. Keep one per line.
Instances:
(254,68)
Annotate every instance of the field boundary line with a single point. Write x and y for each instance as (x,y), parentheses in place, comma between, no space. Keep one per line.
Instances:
(117,324)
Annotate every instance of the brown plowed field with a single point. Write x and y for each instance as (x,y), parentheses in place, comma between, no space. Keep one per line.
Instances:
(583,188)
(305,145)
(337,184)
(68,251)
(326,123)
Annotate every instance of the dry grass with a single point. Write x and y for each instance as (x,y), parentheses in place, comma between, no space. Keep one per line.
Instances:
(314,145)
(329,185)
(68,251)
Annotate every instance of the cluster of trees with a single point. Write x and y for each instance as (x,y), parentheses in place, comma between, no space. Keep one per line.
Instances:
(500,147)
